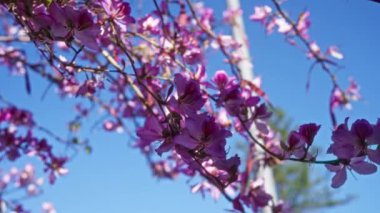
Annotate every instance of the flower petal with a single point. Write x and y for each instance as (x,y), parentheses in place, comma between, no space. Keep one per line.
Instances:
(363,167)
(374,155)
(185,140)
(362,128)
(340,178)
(164,147)
(375,137)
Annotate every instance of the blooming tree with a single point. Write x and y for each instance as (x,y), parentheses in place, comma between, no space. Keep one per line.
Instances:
(151,70)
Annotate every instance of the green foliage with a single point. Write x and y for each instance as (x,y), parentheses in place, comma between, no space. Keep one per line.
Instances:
(304,189)
(47,2)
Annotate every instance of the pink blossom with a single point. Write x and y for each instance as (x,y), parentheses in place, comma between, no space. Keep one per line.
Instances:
(109,125)
(48,207)
(118,12)
(314,50)
(352,92)
(261,13)
(222,118)
(225,41)
(343,98)
(162,169)
(303,24)
(270,26)
(193,55)
(334,52)
(205,187)
(149,24)
(205,14)
(229,15)
(283,26)
(223,81)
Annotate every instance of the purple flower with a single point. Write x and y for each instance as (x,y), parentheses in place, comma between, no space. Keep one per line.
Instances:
(231,166)
(357,164)
(162,169)
(260,114)
(240,102)
(190,98)
(256,196)
(230,95)
(203,136)
(223,81)
(154,130)
(70,22)
(308,132)
(294,146)
(88,88)
(356,142)
(118,12)
(351,146)
(151,131)
(56,168)
(298,142)
(16,116)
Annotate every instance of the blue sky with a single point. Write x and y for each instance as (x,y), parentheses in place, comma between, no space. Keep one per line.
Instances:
(115,178)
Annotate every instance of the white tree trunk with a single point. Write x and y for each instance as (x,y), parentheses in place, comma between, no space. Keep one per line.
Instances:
(246,68)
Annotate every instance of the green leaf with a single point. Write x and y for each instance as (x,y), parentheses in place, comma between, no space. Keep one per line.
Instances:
(75,140)
(88,149)
(46,2)
(74,126)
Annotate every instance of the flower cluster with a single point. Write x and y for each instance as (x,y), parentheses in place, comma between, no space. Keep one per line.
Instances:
(151,71)
(340,98)
(13,59)
(272,19)
(240,102)
(299,142)
(23,181)
(352,147)
(117,13)
(14,143)
(195,136)
(60,23)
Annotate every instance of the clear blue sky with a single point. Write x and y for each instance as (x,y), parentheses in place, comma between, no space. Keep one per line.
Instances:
(116,178)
